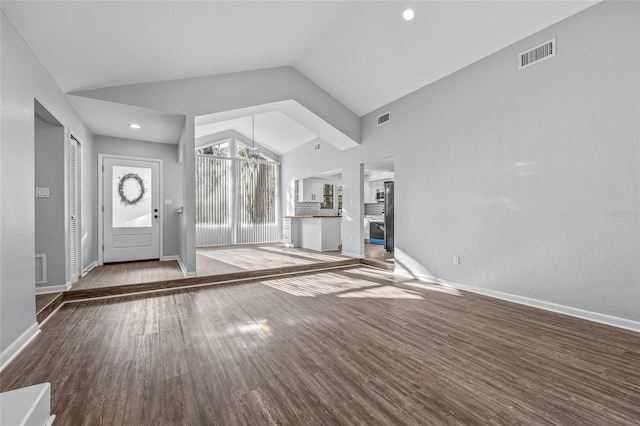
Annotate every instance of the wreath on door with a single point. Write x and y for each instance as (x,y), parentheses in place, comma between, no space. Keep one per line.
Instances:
(136,193)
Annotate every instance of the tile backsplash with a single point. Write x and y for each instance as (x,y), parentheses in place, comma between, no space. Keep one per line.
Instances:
(313,209)
(373,209)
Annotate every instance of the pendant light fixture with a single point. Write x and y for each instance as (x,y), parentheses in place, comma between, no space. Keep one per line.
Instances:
(253,153)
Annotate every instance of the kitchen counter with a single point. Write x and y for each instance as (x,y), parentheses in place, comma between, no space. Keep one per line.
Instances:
(321,233)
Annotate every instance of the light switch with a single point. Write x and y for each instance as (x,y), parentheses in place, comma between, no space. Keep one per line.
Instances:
(168,201)
(42,192)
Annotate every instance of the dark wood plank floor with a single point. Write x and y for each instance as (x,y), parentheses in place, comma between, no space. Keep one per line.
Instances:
(129,273)
(42,300)
(358,346)
(377,252)
(209,261)
(252,257)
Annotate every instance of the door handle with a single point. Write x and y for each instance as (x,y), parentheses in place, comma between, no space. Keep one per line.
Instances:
(155,210)
(156,216)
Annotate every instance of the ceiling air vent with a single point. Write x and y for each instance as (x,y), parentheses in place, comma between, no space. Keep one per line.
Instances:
(383,118)
(539,53)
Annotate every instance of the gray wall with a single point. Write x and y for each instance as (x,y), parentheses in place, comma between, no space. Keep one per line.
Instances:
(172,180)
(50,212)
(531,177)
(23,79)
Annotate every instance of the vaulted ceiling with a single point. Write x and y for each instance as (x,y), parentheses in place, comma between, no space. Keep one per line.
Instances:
(362,53)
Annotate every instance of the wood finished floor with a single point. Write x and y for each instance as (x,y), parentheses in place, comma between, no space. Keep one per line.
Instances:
(42,300)
(129,273)
(209,261)
(377,252)
(359,346)
(252,257)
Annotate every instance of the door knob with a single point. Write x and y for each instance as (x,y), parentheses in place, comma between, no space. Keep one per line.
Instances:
(156,216)
(155,210)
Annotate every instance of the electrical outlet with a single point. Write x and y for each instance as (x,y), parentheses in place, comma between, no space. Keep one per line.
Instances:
(456,260)
(42,192)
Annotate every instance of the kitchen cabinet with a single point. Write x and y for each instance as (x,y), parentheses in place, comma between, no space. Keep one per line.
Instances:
(367,193)
(291,231)
(370,189)
(310,190)
(320,233)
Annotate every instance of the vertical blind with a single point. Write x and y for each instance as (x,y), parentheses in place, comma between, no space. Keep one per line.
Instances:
(233,205)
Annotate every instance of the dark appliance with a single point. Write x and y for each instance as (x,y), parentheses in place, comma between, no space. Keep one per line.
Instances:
(388,217)
(379,194)
(376,232)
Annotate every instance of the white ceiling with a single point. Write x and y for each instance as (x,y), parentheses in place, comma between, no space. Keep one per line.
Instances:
(273,130)
(279,126)
(113,119)
(361,52)
(383,165)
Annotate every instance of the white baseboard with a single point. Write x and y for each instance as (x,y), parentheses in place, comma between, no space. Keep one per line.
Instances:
(18,345)
(346,253)
(89,268)
(181,264)
(48,289)
(541,304)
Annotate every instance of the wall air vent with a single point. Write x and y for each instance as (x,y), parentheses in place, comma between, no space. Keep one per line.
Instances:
(539,53)
(41,268)
(384,118)
(316,147)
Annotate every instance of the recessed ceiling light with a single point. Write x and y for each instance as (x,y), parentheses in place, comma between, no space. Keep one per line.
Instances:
(408,14)
(134,125)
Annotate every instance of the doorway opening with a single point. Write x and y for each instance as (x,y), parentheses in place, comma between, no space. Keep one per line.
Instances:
(379,210)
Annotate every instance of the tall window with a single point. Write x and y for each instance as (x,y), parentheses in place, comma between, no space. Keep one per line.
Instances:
(327,196)
(233,205)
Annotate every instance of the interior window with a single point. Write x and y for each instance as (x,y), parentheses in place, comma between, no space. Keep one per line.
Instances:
(241,152)
(327,196)
(219,150)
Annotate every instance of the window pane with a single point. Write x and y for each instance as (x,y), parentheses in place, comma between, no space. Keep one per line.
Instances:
(219,150)
(131,206)
(327,196)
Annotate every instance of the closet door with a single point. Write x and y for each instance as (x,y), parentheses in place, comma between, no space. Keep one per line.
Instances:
(74,185)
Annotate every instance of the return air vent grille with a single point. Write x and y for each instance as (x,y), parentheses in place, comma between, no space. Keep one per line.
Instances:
(41,268)
(316,147)
(384,118)
(539,53)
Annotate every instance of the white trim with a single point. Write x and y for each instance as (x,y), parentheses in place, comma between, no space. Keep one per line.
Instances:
(186,273)
(541,304)
(101,157)
(18,345)
(48,289)
(89,268)
(357,256)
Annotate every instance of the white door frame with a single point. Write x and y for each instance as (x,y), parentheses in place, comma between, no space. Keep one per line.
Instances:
(101,158)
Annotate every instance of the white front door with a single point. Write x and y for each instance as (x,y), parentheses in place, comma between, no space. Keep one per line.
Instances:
(131,200)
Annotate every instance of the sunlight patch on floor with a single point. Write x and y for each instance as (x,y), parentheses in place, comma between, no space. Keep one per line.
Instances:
(434,287)
(294,252)
(383,292)
(316,285)
(252,259)
(378,274)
